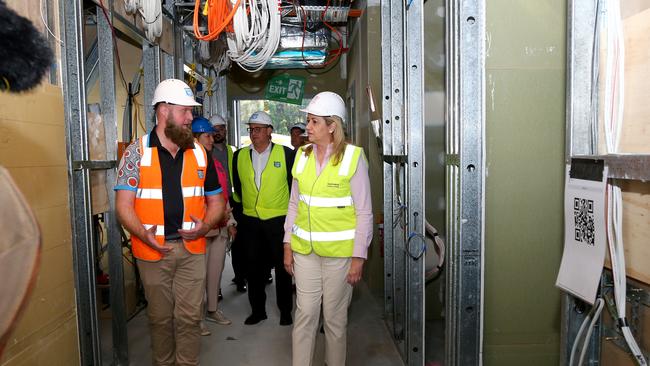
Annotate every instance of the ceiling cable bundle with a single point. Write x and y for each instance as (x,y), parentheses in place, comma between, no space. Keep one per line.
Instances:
(256,35)
(213,53)
(219,13)
(151,12)
(334,55)
(613,121)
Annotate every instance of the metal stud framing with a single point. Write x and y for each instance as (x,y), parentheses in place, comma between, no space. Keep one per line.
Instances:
(76,83)
(465,161)
(151,64)
(106,48)
(580,140)
(79,180)
(403,91)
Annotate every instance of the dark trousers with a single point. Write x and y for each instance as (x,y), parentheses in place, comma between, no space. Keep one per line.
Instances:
(264,250)
(237,248)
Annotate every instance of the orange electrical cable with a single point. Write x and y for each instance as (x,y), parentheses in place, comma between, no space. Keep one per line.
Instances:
(219,17)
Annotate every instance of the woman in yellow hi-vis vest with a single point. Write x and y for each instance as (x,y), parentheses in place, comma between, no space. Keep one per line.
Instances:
(327,230)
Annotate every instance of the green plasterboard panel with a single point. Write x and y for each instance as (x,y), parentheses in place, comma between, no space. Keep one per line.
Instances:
(524,195)
(526,34)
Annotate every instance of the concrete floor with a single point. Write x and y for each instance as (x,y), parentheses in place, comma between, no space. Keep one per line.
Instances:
(267,343)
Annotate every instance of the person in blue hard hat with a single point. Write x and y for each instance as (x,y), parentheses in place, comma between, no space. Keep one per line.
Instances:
(218,237)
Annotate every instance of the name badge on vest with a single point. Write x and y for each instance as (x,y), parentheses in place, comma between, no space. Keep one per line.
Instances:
(200,173)
(276,164)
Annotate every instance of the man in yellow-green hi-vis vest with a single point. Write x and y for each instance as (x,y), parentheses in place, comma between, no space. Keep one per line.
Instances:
(261,181)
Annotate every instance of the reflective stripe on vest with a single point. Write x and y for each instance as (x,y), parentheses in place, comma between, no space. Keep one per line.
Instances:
(326,219)
(326,201)
(323,236)
(149,198)
(272,199)
(160,229)
(156,193)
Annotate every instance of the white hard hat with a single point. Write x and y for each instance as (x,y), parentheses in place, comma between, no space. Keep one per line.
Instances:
(217,120)
(174,91)
(299,125)
(261,118)
(326,104)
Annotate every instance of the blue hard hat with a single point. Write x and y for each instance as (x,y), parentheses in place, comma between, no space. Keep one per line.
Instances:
(201,125)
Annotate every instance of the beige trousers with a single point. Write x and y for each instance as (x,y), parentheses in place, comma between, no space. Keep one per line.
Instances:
(321,279)
(215,259)
(174,289)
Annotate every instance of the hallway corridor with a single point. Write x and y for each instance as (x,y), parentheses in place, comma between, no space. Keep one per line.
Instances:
(267,343)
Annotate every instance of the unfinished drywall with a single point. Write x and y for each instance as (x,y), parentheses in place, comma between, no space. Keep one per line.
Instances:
(32,148)
(525,119)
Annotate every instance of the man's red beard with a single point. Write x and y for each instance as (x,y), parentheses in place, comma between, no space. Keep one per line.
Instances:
(180,135)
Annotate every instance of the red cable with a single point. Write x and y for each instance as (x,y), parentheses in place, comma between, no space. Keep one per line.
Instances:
(117,52)
(304,31)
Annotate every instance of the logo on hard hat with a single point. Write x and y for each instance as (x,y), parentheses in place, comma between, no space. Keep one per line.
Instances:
(254,116)
(188,91)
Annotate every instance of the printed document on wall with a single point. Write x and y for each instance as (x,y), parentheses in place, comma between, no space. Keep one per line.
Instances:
(585,238)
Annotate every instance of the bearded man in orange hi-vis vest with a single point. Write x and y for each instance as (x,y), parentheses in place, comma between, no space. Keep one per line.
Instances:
(168,197)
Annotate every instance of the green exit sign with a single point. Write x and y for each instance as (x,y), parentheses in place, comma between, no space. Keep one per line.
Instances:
(286,88)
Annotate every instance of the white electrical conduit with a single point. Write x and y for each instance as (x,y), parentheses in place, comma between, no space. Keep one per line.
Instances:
(151,12)
(613,121)
(152,16)
(256,34)
(131,6)
(591,318)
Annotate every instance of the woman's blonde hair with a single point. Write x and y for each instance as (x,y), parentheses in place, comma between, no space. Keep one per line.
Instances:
(338,139)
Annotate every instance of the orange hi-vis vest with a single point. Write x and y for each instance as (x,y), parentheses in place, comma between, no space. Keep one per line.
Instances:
(149,200)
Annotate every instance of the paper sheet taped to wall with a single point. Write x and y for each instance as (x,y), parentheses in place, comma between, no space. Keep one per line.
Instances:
(584,229)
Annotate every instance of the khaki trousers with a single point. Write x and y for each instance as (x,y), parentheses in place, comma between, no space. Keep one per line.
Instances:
(321,279)
(174,289)
(215,259)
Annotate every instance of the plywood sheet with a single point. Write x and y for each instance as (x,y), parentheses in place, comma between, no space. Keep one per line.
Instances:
(635,132)
(635,136)
(612,355)
(636,229)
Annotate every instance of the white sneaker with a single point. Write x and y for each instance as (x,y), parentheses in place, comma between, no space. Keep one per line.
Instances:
(218,317)
(204,329)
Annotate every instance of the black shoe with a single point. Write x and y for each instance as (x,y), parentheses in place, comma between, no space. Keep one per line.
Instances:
(254,319)
(241,287)
(285,319)
(220,296)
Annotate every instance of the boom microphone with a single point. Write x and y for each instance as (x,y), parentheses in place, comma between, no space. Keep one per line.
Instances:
(25,55)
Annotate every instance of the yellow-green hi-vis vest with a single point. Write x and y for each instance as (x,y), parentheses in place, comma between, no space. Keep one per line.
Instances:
(326,219)
(272,200)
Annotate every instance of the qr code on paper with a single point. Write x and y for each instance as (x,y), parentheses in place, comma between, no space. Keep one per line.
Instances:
(583,213)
